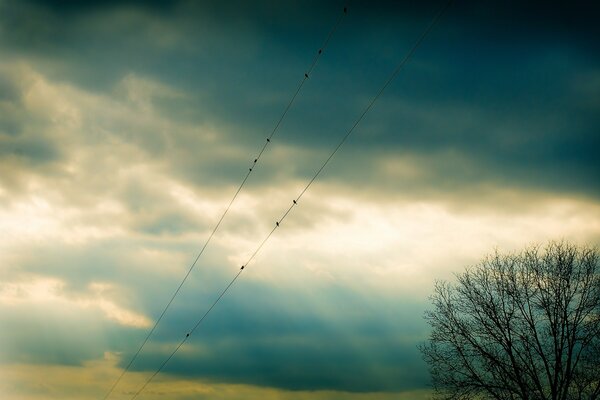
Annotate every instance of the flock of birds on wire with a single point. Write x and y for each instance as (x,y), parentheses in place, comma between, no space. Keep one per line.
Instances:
(285,214)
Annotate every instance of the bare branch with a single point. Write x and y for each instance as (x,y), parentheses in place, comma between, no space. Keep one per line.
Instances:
(522,326)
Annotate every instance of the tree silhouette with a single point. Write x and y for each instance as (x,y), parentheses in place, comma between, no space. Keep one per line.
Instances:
(519,326)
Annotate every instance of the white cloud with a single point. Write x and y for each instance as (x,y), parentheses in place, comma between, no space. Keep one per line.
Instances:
(49,292)
(377,244)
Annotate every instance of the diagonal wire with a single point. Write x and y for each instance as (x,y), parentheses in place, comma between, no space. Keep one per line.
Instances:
(239,189)
(297,199)
(306,77)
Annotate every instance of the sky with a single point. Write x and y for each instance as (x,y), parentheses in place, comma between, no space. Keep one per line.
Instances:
(127,126)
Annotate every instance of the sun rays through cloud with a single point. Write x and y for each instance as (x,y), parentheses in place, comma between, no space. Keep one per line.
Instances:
(126,127)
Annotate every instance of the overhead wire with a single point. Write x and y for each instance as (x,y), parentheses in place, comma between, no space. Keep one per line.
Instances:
(295,201)
(306,76)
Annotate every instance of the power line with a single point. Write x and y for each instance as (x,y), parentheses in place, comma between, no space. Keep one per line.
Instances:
(237,192)
(297,199)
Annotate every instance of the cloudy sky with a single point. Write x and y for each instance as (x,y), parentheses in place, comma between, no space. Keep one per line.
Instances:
(126,128)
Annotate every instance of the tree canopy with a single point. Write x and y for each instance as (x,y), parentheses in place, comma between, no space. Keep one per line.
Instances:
(519,326)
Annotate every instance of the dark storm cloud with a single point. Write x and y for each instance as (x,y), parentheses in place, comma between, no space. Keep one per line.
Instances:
(311,338)
(265,340)
(318,362)
(496,83)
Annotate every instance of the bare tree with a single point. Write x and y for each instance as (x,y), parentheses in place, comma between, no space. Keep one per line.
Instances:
(520,326)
